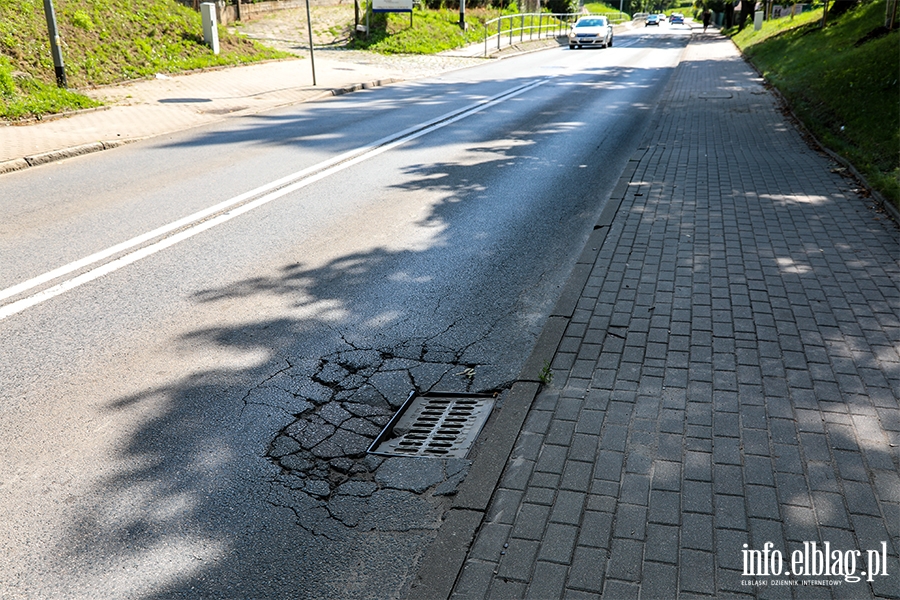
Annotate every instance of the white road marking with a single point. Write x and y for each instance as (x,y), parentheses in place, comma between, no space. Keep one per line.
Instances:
(201,221)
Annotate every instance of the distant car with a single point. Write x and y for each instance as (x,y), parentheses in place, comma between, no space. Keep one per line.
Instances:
(676,19)
(651,20)
(662,17)
(591,31)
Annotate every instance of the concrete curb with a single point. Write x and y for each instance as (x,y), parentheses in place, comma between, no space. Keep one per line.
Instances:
(54,155)
(18,164)
(444,558)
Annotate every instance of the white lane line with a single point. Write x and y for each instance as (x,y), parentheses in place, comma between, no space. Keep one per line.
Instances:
(198,222)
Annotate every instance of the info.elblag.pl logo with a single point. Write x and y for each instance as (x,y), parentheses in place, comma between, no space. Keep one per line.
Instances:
(816,560)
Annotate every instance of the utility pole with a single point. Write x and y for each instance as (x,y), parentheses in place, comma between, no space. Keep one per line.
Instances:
(54,45)
(312,58)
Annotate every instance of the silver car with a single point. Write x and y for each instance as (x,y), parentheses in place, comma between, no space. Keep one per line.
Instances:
(591,31)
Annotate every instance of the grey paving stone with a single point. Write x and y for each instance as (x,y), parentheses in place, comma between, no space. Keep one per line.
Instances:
(625,560)
(580,595)
(697,466)
(587,570)
(548,581)
(596,529)
(730,512)
(758,470)
(528,446)
(623,590)
(489,543)
(755,402)
(576,476)
(630,521)
(540,495)
(697,572)
(697,496)
(584,446)
(697,531)
(568,507)
(517,474)
(552,458)
(800,523)
(531,521)
(558,543)
(609,465)
(729,546)
(474,580)
(635,489)
(518,562)
(504,506)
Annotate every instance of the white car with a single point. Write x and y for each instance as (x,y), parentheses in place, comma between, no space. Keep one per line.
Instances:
(591,31)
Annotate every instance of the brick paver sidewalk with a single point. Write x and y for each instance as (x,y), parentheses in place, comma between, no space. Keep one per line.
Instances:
(729,378)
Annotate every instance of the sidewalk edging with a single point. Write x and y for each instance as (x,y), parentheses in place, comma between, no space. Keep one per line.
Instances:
(444,558)
(18,164)
(786,107)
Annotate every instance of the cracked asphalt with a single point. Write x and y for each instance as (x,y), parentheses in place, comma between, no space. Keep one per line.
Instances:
(347,501)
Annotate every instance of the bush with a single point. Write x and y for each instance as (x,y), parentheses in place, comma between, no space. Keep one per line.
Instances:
(562,6)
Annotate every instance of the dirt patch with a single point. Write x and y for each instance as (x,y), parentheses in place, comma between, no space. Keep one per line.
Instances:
(286,30)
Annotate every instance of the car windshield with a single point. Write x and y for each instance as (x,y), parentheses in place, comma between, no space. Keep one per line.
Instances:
(591,23)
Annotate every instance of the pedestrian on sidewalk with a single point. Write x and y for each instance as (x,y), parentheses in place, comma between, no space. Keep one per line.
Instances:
(706,18)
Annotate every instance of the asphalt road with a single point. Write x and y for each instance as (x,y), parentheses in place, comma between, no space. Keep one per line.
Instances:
(236,309)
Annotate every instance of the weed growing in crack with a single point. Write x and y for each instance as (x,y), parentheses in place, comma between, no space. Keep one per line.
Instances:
(546,374)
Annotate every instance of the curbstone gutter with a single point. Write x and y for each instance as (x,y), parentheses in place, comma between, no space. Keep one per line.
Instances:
(18,164)
(34,160)
(443,560)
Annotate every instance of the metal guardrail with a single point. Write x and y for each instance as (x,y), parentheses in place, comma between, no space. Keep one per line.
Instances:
(530,26)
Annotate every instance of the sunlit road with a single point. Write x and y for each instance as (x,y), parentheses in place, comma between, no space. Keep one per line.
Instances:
(167,308)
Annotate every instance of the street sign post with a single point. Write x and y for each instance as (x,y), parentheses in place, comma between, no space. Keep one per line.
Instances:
(55,48)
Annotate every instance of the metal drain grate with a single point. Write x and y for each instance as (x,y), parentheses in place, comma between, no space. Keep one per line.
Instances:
(436,424)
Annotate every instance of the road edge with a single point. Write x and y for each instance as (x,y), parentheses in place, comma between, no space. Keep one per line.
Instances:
(443,559)
(18,164)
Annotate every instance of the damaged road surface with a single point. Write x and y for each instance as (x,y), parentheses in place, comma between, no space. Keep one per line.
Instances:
(204,332)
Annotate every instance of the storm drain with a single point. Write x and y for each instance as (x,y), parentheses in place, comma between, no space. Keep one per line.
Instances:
(437,424)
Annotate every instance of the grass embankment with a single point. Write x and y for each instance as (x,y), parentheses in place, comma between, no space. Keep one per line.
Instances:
(103,42)
(842,81)
(434,31)
(430,32)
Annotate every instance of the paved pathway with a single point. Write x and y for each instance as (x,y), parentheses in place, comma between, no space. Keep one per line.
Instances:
(729,377)
(168,104)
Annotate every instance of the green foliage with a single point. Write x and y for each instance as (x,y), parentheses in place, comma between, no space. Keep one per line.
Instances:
(546,374)
(7,84)
(599,8)
(843,81)
(82,20)
(561,6)
(431,31)
(22,96)
(103,42)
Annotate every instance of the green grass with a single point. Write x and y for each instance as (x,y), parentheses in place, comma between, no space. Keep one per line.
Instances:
(843,85)
(432,31)
(24,96)
(599,8)
(103,42)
